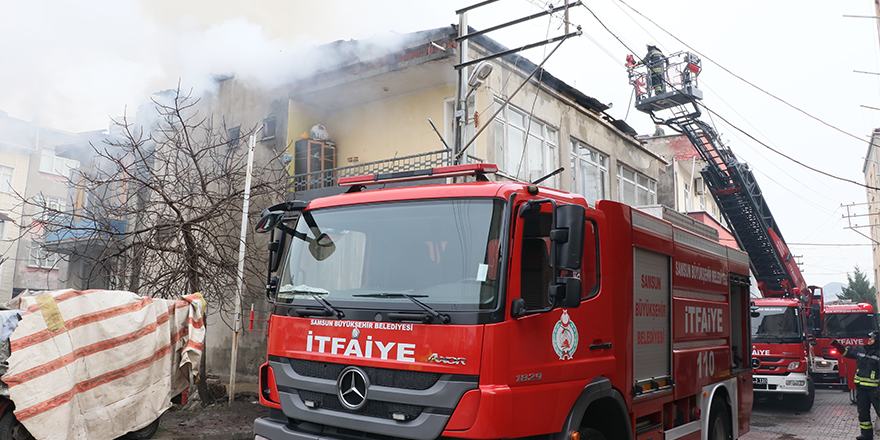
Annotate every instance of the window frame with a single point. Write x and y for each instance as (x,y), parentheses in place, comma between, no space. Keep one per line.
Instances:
(6,183)
(513,118)
(577,160)
(635,181)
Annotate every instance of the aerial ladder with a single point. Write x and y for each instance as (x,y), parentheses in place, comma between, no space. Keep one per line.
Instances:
(675,103)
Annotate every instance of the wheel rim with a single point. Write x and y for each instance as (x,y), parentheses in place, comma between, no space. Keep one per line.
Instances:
(720,428)
(20,433)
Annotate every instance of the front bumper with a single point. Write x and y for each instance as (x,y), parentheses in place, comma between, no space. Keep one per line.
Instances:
(791,383)
(826,371)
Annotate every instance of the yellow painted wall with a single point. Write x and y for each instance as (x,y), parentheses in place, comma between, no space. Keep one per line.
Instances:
(397,126)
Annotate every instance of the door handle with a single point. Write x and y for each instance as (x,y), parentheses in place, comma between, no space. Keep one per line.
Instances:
(600,346)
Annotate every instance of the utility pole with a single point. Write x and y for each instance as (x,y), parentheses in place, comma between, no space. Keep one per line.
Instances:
(236,324)
(460,90)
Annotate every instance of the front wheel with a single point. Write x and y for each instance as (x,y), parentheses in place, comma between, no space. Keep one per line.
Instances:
(144,433)
(591,434)
(805,403)
(719,422)
(12,429)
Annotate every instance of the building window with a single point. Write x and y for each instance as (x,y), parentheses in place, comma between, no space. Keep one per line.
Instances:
(47,207)
(5,179)
(233,137)
(268,128)
(589,172)
(52,164)
(42,259)
(525,148)
(635,189)
(687,198)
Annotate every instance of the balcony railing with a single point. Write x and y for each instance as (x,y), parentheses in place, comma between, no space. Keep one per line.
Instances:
(78,229)
(328,178)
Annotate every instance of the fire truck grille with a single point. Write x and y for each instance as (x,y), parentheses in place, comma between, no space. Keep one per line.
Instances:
(410,380)
(373,408)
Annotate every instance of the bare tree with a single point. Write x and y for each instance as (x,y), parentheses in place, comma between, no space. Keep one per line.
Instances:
(158,210)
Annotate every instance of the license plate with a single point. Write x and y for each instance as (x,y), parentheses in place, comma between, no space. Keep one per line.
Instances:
(759,380)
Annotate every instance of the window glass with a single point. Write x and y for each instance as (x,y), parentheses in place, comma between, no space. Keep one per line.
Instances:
(516,118)
(588,172)
(5,179)
(525,147)
(500,150)
(515,152)
(636,189)
(536,159)
(552,136)
(443,252)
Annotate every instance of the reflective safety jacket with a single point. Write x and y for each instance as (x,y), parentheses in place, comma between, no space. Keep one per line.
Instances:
(867,365)
(654,60)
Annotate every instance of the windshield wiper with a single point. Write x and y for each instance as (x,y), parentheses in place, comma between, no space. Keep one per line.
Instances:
(327,308)
(431,313)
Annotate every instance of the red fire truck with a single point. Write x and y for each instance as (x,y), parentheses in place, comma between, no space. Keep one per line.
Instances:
(790,314)
(498,310)
(848,323)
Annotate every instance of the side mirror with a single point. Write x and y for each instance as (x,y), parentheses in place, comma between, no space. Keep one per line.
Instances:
(274,255)
(568,237)
(567,245)
(753,310)
(566,292)
(269,220)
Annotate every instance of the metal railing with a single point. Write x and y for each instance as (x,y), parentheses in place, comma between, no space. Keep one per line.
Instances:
(328,178)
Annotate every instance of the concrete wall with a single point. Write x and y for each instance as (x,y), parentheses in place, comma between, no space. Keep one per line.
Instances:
(235,104)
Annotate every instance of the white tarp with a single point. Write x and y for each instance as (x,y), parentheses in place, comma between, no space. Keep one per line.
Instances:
(97,364)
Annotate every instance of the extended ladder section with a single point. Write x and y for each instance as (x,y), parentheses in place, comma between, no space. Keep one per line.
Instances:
(731,183)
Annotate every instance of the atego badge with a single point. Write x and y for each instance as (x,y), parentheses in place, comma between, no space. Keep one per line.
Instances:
(565,337)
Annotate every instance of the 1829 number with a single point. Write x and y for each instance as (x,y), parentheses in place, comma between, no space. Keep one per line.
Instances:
(531,377)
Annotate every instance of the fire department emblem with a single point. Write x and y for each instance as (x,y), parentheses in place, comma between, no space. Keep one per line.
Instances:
(565,337)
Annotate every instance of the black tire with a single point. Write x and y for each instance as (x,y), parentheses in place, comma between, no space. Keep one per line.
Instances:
(805,403)
(591,434)
(12,429)
(144,433)
(720,427)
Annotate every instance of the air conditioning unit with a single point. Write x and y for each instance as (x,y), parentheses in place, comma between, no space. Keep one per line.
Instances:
(699,187)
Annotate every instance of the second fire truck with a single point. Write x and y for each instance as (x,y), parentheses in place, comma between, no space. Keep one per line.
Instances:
(789,316)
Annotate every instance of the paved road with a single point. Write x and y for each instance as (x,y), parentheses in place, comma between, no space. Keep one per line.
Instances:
(832,417)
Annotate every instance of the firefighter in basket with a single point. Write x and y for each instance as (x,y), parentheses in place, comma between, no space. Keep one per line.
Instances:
(655,61)
(867,379)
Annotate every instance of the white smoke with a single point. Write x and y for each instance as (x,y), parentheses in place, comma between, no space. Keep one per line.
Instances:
(72,65)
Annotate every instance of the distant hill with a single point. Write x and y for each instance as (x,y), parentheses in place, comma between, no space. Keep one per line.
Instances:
(832,290)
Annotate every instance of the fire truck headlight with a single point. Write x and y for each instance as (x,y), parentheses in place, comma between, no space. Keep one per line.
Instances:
(795,383)
(823,363)
(794,365)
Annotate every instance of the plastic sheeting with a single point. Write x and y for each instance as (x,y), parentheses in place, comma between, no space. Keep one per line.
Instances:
(98,364)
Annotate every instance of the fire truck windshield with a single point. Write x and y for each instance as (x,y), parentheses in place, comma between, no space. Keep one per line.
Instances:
(445,252)
(848,325)
(776,324)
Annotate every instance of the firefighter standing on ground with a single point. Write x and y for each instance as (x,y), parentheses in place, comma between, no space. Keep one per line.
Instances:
(867,379)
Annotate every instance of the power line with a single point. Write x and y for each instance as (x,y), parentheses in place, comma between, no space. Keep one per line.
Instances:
(830,244)
(756,87)
(744,80)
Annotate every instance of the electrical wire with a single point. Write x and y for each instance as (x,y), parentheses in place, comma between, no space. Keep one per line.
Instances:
(744,80)
(735,127)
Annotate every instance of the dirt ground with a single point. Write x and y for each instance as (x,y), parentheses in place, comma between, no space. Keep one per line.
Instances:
(218,418)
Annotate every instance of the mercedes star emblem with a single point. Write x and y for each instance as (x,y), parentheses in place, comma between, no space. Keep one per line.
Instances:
(756,362)
(353,385)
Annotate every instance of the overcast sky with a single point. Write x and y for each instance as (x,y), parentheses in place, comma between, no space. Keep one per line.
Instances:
(73,64)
